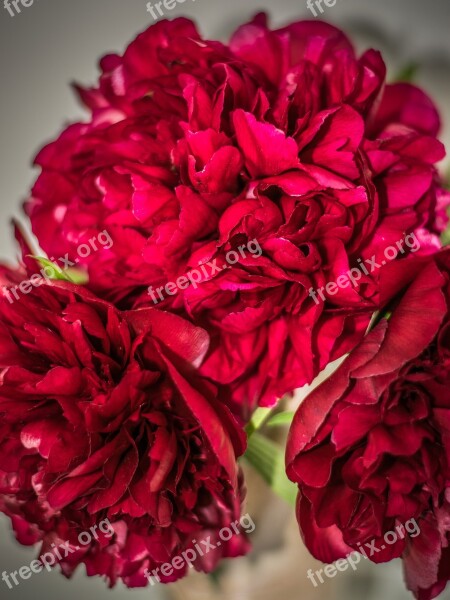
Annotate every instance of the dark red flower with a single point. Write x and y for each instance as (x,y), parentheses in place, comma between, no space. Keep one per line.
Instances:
(193,148)
(103,416)
(370,447)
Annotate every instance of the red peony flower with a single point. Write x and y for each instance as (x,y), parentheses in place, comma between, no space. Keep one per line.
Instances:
(370,447)
(103,418)
(194,148)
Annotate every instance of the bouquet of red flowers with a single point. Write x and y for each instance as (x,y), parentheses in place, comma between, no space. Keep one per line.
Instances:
(229,220)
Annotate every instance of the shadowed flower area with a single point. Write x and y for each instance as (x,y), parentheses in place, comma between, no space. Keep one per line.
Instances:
(102,415)
(369,448)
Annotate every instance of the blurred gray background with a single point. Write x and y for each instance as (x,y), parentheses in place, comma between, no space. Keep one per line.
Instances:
(54,42)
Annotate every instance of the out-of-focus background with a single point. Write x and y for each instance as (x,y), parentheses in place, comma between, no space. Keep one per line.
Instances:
(54,42)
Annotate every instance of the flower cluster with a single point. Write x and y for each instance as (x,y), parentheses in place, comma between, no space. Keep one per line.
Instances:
(194,148)
(104,418)
(370,448)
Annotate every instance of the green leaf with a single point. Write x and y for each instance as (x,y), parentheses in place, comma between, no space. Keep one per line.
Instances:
(77,276)
(72,275)
(407,73)
(57,274)
(284,418)
(267,458)
(215,575)
(257,420)
(377,317)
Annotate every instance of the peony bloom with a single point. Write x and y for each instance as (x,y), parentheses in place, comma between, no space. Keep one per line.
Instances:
(193,148)
(370,447)
(103,417)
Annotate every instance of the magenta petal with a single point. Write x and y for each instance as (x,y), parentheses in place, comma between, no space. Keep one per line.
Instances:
(267,150)
(325,543)
(184,339)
